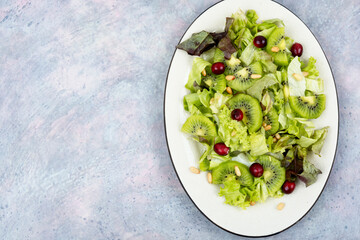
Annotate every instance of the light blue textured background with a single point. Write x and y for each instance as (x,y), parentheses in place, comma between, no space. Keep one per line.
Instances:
(82,146)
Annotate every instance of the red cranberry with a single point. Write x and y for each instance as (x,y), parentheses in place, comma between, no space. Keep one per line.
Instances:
(221,149)
(218,68)
(256,169)
(288,187)
(237,114)
(260,41)
(297,49)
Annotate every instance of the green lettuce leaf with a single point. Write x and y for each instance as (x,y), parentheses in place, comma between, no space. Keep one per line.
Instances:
(266,61)
(195,73)
(247,56)
(244,38)
(204,97)
(258,144)
(266,32)
(218,55)
(305,141)
(296,88)
(191,99)
(218,101)
(204,162)
(285,142)
(261,84)
(320,135)
(267,102)
(270,23)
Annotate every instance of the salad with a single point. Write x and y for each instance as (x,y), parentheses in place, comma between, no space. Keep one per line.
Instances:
(252,97)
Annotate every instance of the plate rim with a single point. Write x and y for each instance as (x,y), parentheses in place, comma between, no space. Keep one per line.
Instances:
(167,142)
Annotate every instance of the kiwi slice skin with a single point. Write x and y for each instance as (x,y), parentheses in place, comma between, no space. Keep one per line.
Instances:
(277,39)
(243,80)
(251,109)
(309,107)
(226,170)
(272,118)
(274,174)
(198,125)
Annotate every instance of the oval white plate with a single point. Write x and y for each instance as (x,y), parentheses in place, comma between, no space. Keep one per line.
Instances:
(262,219)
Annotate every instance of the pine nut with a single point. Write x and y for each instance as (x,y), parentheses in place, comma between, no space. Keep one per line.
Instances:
(264,124)
(194,170)
(277,135)
(280,206)
(297,76)
(229,90)
(274,140)
(237,171)
(203,72)
(209,177)
(275,49)
(230,77)
(267,128)
(305,74)
(252,203)
(255,76)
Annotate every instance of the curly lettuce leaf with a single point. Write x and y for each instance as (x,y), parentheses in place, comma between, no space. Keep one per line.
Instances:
(310,68)
(232,194)
(233,133)
(252,17)
(239,22)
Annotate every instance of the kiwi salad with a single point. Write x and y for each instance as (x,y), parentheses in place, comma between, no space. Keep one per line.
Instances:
(251,101)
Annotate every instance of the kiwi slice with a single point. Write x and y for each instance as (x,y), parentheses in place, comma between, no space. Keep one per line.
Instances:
(251,109)
(272,118)
(243,78)
(232,65)
(274,174)
(308,106)
(277,39)
(199,125)
(216,82)
(226,170)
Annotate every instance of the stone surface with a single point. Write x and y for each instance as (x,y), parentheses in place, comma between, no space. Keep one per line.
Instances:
(82,146)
